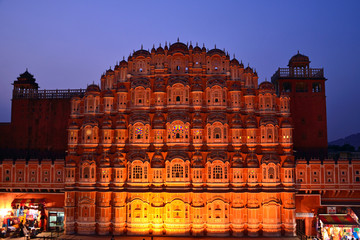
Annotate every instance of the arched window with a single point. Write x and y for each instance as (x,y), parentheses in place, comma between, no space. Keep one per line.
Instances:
(217,133)
(137,172)
(86,172)
(217,172)
(271,173)
(177,171)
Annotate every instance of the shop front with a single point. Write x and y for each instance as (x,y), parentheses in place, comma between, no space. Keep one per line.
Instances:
(338,226)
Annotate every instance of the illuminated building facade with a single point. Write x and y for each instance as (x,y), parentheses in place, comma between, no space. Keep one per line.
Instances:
(180,141)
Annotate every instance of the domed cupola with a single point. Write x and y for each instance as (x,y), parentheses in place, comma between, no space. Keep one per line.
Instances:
(120,122)
(141,52)
(105,162)
(93,88)
(157,160)
(251,122)
(236,121)
(121,88)
(299,60)
(158,121)
(106,123)
(288,163)
(108,93)
(236,86)
(266,87)
(197,120)
(252,161)
(237,161)
(197,49)
(160,50)
(119,160)
(234,62)
(178,47)
(248,70)
(123,63)
(197,160)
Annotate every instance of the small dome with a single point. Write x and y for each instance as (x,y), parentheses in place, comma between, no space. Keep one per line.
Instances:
(267,86)
(109,72)
(158,121)
(197,160)
(178,47)
(237,161)
(157,160)
(288,163)
(121,88)
(234,62)
(70,163)
(105,162)
(141,52)
(160,50)
(236,86)
(197,120)
(197,49)
(93,88)
(108,93)
(251,122)
(196,87)
(252,161)
(286,123)
(299,60)
(236,121)
(73,125)
(119,160)
(216,51)
(106,123)
(269,120)
(248,70)
(120,122)
(123,63)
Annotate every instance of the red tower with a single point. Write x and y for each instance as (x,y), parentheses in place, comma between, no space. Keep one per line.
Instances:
(306,88)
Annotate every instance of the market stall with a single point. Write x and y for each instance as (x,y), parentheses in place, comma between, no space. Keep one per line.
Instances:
(338,226)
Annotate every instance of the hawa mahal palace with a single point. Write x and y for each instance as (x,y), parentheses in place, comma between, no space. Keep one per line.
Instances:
(179,140)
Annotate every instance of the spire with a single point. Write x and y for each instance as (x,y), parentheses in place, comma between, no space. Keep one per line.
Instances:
(141,47)
(123,57)
(215,46)
(234,55)
(178,39)
(197,44)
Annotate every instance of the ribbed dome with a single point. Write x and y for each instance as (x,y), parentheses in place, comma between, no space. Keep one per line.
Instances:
(299,60)
(288,163)
(234,62)
(267,86)
(197,49)
(197,120)
(157,160)
(158,121)
(237,161)
(286,123)
(248,70)
(119,160)
(252,161)
(236,121)
(93,88)
(121,88)
(197,160)
(105,162)
(160,50)
(123,63)
(120,122)
(216,51)
(141,52)
(251,122)
(178,47)
(236,86)
(106,123)
(108,93)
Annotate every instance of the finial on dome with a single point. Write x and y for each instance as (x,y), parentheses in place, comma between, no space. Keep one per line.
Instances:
(26,69)
(234,55)
(110,67)
(241,61)
(190,43)
(298,52)
(203,44)
(159,44)
(165,43)
(187,44)
(265,79)
(153,45)
(215,46)
(197,44)
(123,57)
(141,47)
(117,62)
(178,39)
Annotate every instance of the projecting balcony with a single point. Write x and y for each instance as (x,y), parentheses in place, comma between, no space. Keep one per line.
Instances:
(298,73)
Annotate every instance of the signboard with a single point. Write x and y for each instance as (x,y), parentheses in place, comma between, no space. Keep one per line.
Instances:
(331,210)
(304,214)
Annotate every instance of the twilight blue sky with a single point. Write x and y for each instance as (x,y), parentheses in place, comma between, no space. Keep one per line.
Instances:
(69,44)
